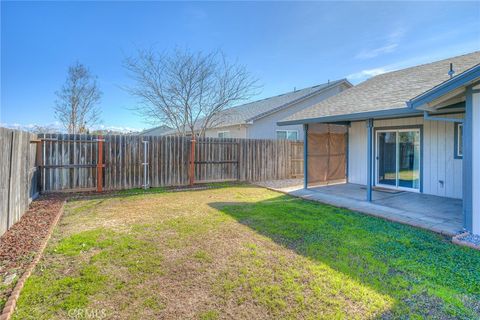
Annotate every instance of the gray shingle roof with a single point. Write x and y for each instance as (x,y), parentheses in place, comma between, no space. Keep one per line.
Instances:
(247,112)
(389,90)
(254,110)
(158,130)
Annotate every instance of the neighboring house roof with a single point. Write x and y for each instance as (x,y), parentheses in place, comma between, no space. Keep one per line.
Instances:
(386,92)
(248,112)
(157,130)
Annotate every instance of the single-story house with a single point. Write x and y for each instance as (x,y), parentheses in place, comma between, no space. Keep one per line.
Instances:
(156,131)
(258,119)
(415,130)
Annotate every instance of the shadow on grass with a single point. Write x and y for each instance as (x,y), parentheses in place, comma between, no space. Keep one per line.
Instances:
(426,275)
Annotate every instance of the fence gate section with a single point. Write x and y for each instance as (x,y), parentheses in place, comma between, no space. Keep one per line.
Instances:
(70,162)
(296,159)
(216,160)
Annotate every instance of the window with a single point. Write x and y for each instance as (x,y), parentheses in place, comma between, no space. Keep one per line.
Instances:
(224,134)
(287,134)
(458,140)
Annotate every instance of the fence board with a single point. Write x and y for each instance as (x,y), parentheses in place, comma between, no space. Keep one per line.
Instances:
(18,175)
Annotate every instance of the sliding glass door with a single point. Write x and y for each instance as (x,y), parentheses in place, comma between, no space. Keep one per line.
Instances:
(387,158)
(398,159)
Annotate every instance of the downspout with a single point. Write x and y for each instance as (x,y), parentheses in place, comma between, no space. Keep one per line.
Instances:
(145,165)
(347,146)
(305,156)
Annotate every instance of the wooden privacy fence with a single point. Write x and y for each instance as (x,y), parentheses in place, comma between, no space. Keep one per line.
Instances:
(73,162)
(297,159)
(18,175)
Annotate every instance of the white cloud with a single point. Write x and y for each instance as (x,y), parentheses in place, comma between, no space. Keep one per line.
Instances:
(367,73)
(58,127)
(18,126)
(123,129)
(390,43)
(367,54)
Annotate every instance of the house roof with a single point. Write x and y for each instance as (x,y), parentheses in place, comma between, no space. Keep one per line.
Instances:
(248,112)
(245,113)
(161,129)
(386,93)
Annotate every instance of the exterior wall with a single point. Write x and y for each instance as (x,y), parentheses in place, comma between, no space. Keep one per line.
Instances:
(357,153)
(439,163)
(237,131)
(476,162)
(266,127)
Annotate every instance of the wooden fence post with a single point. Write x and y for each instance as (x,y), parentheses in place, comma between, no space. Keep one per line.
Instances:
(100,164)
(38,162)
(192,162)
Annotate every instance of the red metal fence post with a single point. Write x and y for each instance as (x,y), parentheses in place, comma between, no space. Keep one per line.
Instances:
(192,162)
(100,164)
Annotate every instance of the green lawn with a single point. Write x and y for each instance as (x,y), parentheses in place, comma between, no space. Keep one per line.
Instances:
(245,252)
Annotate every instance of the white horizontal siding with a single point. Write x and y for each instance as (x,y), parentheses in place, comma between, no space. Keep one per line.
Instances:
(236,131)
(439,163)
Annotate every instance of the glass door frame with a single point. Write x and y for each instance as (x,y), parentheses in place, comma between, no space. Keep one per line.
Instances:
(397,130)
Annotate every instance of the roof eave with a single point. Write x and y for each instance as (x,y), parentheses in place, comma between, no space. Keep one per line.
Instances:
(379,114)
(298,100)
(465,78)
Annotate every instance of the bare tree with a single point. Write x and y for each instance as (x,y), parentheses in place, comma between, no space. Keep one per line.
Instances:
(44,129)
(76,106)
(186,90)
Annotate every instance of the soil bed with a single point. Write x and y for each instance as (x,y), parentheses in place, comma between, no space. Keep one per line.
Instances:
(19,245)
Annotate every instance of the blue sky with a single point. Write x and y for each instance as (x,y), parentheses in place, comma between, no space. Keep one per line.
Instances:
(284,44)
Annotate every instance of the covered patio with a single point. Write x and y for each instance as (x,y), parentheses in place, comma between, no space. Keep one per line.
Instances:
(412,146)
(438,214)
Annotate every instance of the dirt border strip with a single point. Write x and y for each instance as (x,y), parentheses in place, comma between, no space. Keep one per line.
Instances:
(12,300)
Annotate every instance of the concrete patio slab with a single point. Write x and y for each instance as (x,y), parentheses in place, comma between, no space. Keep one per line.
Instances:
(438,214)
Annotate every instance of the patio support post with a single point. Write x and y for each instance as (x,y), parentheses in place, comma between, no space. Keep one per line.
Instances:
(467,162)
(471,160)
(475,161)
(369,158)
(305,156)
